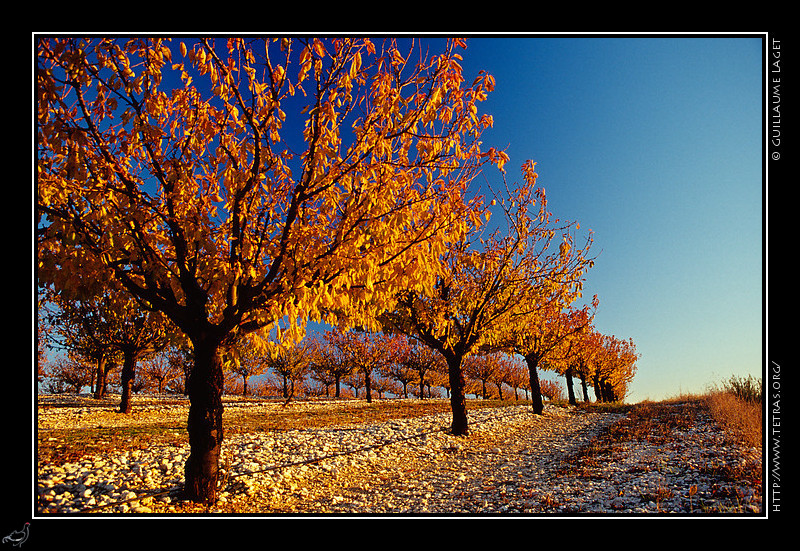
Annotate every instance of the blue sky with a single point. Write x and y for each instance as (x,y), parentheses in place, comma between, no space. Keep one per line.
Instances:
(655,144)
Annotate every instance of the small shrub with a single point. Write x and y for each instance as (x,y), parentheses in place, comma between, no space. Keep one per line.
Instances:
(749,389)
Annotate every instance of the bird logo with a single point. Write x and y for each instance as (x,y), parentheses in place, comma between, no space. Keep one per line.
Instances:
(18,537)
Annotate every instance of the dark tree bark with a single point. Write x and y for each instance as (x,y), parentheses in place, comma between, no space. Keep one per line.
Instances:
(127,376)
(608,392)
(598,390)
(104,366)
(368,383)
(536,390)
(584,387)
(204,423)
(458,403)
(570,390)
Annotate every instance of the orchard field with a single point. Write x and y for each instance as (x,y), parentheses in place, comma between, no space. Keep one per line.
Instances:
(398,457)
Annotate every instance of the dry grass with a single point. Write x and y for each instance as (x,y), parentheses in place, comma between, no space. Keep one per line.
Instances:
(741,419)
(737,406)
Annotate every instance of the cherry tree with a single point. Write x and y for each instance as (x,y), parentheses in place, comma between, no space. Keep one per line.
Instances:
(491,282)
(241,184)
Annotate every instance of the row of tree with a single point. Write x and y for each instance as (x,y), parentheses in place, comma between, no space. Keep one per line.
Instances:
(231,190)
(304,371)
(320,366)
(361,358)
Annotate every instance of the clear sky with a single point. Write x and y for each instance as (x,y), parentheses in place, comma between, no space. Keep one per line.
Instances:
(655,144)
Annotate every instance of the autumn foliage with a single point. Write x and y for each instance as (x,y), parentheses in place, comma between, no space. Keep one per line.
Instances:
(243,187)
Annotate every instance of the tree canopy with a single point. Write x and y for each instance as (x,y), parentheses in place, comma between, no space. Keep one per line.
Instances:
(242,187)
(244,184)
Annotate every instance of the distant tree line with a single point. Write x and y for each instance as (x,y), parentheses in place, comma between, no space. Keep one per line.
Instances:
(330,364)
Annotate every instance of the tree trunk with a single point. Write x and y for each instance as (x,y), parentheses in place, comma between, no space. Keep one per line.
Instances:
(536,390)
(368,384)
(204,423)
(458,402)
(570,390)
(100,388)
(127,375)
(584,388)
(608,392)
(598,392)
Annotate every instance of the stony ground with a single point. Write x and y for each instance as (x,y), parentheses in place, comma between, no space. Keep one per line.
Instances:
(652,460)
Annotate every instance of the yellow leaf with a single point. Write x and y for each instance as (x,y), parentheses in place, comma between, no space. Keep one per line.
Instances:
(356,65)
